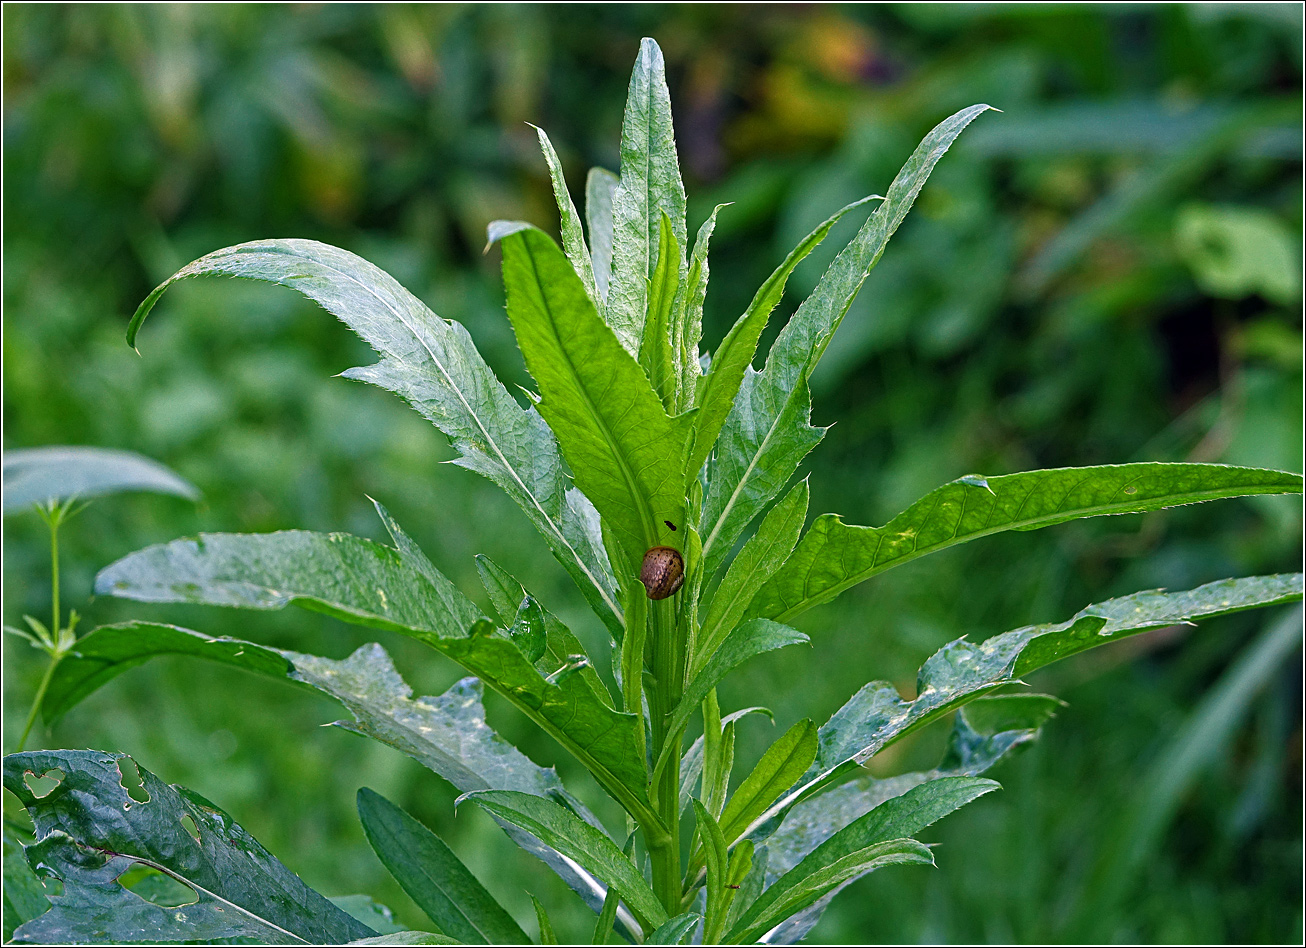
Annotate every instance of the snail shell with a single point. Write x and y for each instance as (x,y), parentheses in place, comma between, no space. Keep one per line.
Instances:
(663,572)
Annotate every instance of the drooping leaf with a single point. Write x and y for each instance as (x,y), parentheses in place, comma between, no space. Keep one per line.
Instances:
(881,837)
(767,433)
(433,364)
(564,831)
(37,475)
(624,451)
(573,237)
(761,556)
(106,652)
(747,640)
(783,763)
(650,185)
(719,386)
(434,877)
(600,187)
(832,556)
(367,583)
(90,830)
(962,671)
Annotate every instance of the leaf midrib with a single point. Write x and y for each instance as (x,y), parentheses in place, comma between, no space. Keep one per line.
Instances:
(627,473)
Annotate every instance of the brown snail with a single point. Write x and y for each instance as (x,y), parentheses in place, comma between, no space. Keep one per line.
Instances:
(663,572)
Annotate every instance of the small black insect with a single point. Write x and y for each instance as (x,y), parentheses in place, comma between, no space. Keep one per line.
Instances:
(670,524)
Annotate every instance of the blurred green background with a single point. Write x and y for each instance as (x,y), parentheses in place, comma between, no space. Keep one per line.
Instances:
(1107,271)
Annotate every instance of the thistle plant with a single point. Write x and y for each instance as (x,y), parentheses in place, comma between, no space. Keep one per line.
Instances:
(664,481)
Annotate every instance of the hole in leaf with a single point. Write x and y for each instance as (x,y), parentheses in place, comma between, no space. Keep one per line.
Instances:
(157,887)
(43,785)
(130,778)
(188,822)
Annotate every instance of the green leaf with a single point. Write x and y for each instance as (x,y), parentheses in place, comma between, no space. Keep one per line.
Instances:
(761,556)
(783,763)
(767,433)
(719,386)
(690,320)
(547,935)
(91,831)
(718,865)
(573,237)
(833,556)
(752,464)
(407,938)
(876,839)
(747,640)
(106,652)
(650,186)
(962,671)
(1009,722)
(434,877)
(562,647)
(24,896)
(600,187)
(54,474)
(624,451)
(674,931)
(367,583)
(564,831)
(659,353)
(691,764)
(445,733)
(433,364)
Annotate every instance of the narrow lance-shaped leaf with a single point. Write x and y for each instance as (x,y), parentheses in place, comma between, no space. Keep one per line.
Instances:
(755,456)
(719,386)
(766,433)
(659,352)
(833,556)
(963,671)
(573,237)
(365,582)
(38,475)
(624,451)
(880,837)
(91,829)
(690,317)
(784,762)
(675,931)
(600,186)
(572,836)
(434,877)
(433,364)
(650,185)
(761,556)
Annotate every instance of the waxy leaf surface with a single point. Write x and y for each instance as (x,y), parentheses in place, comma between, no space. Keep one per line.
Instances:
(39,475)
(90,830)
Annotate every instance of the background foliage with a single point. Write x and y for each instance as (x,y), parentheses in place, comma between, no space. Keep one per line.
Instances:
(1108,271)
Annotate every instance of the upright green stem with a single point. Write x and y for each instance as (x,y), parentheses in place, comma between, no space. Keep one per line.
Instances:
(53,522)
(36,702)
(668,654)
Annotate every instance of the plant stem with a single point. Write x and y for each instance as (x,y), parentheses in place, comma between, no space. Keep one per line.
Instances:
(36,702)
(668,671)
